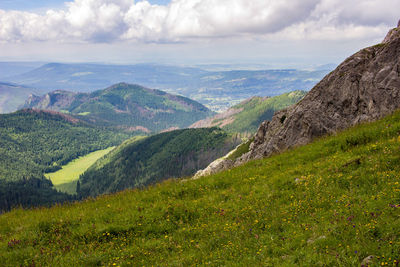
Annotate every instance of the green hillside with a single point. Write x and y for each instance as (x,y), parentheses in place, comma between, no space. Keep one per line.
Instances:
(334,202)
(126,106)
(246,116)
(153,159)
(35,142)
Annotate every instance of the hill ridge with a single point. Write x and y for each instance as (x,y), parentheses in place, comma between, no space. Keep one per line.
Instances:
(246,116)
(129,106)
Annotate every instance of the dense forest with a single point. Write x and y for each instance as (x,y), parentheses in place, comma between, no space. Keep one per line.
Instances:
(150,160)
(35,142)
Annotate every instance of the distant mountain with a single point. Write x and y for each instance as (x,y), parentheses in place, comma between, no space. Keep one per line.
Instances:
(90,77)
(33,142)
(13,96)
(247,116)
(226,88)
(130,107)
(177,153)
(8,69)
(218,90)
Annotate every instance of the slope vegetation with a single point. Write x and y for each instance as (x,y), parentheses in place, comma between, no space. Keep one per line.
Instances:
(130,107)
(153,159)
(334,202)
(247,116)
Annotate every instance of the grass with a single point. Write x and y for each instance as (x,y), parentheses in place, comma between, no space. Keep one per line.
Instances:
(331,203)
(65,179)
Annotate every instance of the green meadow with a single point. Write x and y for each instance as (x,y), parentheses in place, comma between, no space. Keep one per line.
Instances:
(335,202)
(66,178)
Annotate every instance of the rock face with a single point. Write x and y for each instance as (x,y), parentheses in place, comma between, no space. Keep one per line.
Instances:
(365,87)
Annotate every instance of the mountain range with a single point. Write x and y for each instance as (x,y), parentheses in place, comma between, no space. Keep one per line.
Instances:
(218,90)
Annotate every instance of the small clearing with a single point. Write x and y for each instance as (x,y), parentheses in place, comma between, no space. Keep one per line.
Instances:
(69,174)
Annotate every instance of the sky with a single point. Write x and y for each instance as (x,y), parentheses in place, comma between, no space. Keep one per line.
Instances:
(275,33)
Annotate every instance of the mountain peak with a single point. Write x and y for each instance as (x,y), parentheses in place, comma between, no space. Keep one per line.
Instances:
(392,34)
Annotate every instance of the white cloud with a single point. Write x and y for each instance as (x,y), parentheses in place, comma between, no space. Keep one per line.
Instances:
(182,20)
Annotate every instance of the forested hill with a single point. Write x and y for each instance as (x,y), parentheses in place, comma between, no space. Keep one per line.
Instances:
(126,106)
(177,153)
(33,142)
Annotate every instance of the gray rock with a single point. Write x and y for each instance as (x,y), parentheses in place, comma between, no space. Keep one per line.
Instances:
(365,87)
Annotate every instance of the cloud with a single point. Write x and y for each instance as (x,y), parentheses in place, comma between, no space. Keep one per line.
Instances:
(104,21)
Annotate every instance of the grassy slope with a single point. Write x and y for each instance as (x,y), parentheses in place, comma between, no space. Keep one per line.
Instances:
(71,172)
(330,203)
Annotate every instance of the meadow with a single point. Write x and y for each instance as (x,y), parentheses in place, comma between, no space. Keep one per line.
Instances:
(335,202)
(65,179)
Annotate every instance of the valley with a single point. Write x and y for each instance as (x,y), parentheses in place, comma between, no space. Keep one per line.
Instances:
(57,135)
(33,143)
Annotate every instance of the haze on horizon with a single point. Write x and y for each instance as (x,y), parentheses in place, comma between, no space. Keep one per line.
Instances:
(269,32)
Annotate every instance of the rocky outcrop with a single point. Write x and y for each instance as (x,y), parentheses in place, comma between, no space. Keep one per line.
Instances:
(365,87)
(57,100)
